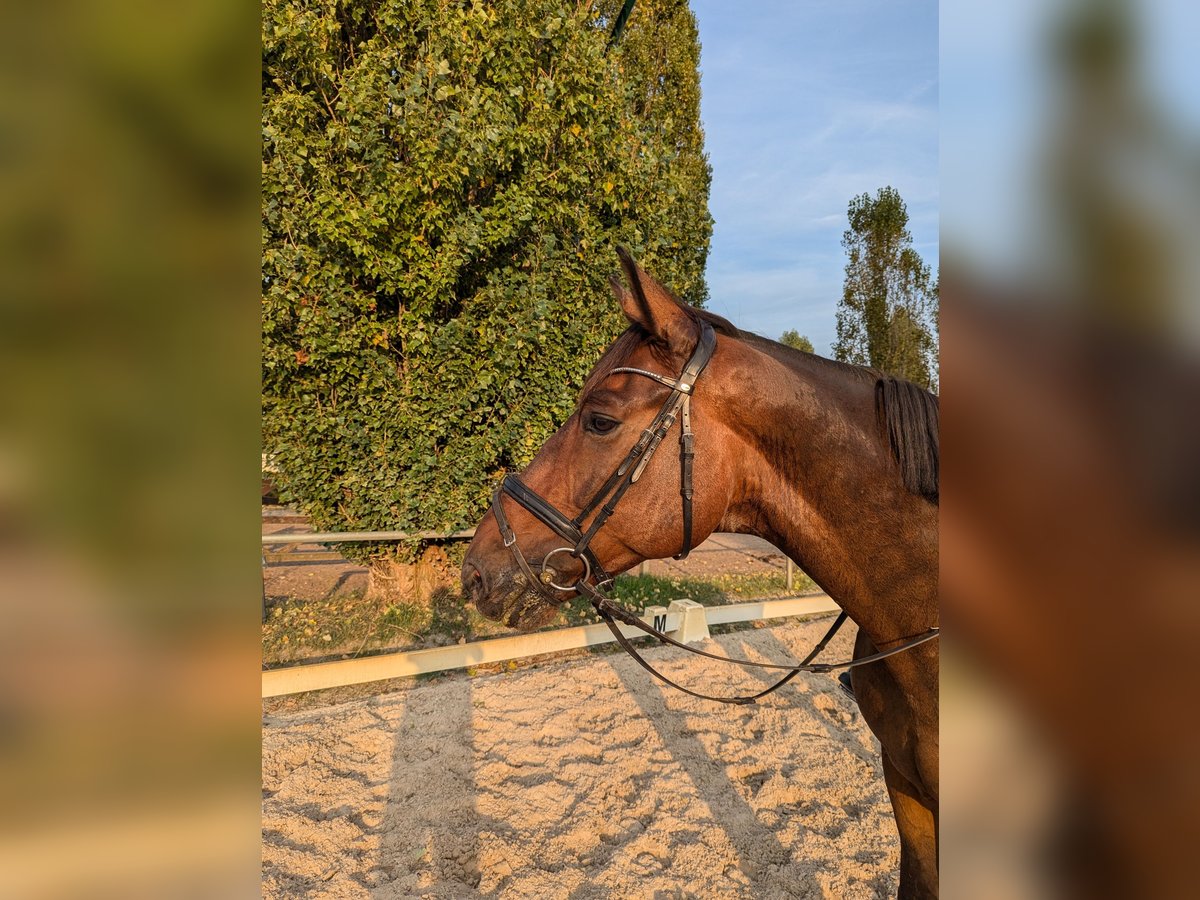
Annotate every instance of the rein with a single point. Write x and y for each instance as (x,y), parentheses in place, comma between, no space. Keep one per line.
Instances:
(579,537)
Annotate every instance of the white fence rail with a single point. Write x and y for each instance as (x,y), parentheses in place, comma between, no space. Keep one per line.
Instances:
(684,620)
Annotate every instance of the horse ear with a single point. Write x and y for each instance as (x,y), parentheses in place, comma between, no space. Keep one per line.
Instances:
(622,294)
(654,308)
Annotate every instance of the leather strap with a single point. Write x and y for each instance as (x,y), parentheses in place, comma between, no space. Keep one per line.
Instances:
(604,605)
(610,612)
(510,541)
(628,647)
(623,477)
(549,516)
(687,452)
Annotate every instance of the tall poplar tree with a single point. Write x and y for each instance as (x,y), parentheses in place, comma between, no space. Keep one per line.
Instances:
(888,312)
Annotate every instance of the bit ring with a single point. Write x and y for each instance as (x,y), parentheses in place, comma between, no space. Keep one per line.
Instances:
(587,569)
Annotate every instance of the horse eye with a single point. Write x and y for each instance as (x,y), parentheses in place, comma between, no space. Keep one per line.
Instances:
(598,424)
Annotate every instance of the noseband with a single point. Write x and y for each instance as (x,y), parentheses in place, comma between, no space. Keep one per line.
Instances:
(578,538)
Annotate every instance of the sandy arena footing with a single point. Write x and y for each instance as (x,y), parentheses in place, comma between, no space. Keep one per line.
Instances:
(583,779)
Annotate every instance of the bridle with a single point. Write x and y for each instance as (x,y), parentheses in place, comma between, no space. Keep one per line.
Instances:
(578,536)
(622,478)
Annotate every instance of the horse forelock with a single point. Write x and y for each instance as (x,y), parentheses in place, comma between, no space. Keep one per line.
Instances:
(617,354)
(622,349)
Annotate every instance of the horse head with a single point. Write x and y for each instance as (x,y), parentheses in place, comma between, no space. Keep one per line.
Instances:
(576,473)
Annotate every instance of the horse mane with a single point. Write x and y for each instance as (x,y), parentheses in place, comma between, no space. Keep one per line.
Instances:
(908,415)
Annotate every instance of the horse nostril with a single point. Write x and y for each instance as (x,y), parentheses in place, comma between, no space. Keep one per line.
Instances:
(472,581)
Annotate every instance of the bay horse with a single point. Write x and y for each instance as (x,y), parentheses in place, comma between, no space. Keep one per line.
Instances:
(836,465)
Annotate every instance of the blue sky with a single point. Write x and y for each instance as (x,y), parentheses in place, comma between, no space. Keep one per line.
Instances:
(805,105)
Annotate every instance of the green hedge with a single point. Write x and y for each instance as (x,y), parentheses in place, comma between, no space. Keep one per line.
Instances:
(443,186)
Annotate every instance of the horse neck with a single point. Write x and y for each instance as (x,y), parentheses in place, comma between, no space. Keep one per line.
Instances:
(821,485)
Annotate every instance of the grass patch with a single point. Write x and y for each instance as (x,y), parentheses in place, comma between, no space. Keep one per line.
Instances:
(640,591)
(403,619)
(350,625)
(297,628)
(753,587)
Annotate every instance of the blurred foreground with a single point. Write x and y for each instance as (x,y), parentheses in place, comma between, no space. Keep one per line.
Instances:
(1071,437)
(128,449)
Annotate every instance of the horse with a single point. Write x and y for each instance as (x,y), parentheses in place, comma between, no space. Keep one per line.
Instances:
(834,464)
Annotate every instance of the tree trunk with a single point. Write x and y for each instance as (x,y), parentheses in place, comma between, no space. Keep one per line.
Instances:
(399,582)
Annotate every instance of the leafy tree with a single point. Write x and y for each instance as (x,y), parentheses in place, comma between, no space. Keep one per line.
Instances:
(658,62)
(443,184)
(888,312)
(795,339)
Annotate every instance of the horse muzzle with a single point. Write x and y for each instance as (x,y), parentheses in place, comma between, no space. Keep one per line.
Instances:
(508,597)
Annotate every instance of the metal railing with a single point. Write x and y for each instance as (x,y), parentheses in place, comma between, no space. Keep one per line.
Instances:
(346,537)
(349,537)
